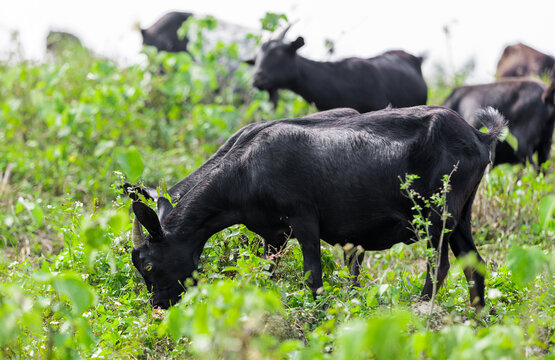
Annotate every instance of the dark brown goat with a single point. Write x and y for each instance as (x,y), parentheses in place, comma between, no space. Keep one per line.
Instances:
(522,60)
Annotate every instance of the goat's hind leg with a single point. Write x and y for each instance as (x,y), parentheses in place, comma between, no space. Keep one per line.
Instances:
(437,270)
(462,244)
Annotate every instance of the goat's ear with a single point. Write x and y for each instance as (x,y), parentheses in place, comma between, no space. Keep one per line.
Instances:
(164,207)
(147,217)
(249,61)
(297,44)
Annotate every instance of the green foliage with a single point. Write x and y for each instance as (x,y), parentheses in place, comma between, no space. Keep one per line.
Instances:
(384,337)
(444,79)
(69,286)
(74,128)
(424,210)
(130,161)
(272,21)
(526,263)
(512,141)
(230,319)
(460,342)
(18,314)
(545,211)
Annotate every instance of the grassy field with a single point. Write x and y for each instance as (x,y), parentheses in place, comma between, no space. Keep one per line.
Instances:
(75,127)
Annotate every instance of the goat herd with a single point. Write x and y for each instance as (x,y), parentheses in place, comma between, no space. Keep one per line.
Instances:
(336,175)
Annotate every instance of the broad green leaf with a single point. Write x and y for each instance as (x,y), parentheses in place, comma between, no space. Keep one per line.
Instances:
(42,276)
(384,337)
(79,294)
(93,234)
(526,263)
(512,141)
(117,220)
(502,135)
(130,162)
(103,147)
(84,333)
(174,323)
(352,340)
(37,214)
(34,209)
(200,321)
(290,345)
(545,211)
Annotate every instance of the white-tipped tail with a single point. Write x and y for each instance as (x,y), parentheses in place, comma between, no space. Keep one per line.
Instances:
(493,121)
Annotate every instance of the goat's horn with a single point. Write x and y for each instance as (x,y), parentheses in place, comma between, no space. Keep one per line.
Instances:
(138,237)
(281,35)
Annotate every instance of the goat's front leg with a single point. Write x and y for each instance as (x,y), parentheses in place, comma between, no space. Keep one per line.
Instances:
(308,235)
(353,258)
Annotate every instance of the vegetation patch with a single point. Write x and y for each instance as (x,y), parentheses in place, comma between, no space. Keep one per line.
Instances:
(75,128)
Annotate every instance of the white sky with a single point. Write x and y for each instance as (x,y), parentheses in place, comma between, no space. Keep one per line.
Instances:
(479,29)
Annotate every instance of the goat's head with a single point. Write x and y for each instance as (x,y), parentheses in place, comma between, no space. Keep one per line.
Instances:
(275,64)
(548,96)
(163,261)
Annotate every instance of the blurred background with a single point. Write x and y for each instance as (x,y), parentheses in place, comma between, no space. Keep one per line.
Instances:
(451,34)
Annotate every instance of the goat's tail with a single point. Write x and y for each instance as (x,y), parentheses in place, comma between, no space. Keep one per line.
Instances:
(493,121)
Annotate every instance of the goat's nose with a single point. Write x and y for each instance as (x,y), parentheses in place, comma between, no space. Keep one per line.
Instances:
(258,80)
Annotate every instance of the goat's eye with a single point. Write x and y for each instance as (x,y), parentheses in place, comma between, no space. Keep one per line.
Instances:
(148,267)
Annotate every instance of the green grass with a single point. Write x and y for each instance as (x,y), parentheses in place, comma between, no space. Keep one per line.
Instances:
(72,129)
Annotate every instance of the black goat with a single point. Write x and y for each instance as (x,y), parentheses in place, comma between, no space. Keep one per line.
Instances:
(163,33)
(331,178)
(528,108)
(393,78)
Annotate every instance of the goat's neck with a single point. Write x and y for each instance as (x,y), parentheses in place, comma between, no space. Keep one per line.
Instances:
(312,78)
(201,213)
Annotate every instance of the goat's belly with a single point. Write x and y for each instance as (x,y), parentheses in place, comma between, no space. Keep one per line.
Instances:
(377,236)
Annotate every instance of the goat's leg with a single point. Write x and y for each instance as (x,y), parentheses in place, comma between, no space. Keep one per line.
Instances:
(462,247)
(307,233)
(353,259)
(461,243)
(440,272)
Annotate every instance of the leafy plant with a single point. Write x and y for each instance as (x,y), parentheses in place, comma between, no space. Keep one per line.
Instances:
(424,209)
